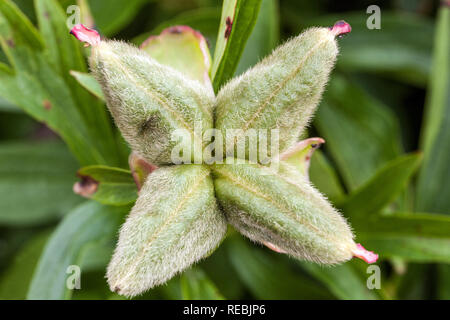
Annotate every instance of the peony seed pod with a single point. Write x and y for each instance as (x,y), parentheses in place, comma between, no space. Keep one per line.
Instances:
(284,212)
(149,101)
(174,223)
(283,90)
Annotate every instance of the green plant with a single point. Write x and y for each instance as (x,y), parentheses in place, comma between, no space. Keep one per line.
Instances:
(362,170)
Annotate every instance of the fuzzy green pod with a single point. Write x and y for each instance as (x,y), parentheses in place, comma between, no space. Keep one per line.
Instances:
(149,101)
(283,211)
(282,91)
(174,223)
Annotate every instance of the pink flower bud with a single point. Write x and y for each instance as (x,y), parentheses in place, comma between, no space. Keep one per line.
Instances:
(341,28)
(362,253)
(89,36)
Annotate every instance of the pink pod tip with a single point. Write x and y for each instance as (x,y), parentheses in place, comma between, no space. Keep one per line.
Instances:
(89,36)
(341,28)
(362,253)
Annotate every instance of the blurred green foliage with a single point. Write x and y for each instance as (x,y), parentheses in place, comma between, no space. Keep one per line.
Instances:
(385,116)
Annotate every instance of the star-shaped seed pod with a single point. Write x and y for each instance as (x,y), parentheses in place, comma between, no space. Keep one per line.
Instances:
(183,209)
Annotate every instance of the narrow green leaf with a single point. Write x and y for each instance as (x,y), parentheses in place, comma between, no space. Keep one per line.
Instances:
(15,280)
(270,276)
(36,182)
(64,51)
(342,280)
(361,133)
(236,24)
(89,223)
(23,30)
(107,185)
(37,86)
(219,269)
(112,15)
(412,237)
(264,37)
(400,49)
(383,188)
(195,285)
(412,249)
(434,178)
(325,178)
(89,82)
(405,224)
(444,288)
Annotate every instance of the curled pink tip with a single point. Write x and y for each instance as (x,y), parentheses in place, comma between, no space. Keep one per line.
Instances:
(340,28)
(367,256)
(89,36)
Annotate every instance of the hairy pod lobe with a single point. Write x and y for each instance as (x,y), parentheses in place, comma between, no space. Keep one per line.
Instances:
(174,223)
(282,91)
(149,101)
(283,210)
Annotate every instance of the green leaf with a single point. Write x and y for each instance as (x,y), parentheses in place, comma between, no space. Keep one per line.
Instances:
(89,223)
(405,224)
(361,133)
(219,269)
(412,249)
(16,279)
(268,276)
(412,237)
(36,183)
(342,280)
(89,82)
(6,106)
(444,288)
(107,185)
(112,15)
(37,85)
(23,31)
(383,188)
(400,49)
(236,24)
(65,52)
(183,49)
(325,178)
(264,37)
(195,285)
(434,178)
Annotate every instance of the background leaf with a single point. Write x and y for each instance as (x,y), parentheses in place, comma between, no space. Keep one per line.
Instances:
(383,188)
(89,223)
(232,37)
(360,139)
(36,182)
(114,186)
(343,281)
(195,285)
(14,281)
(257,268)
